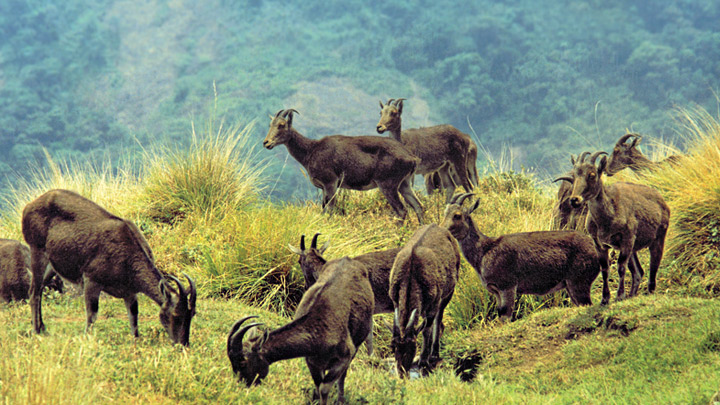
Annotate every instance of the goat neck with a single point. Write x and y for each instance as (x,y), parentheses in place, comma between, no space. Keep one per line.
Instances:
(288,342)
(600,206)
(300,147)
(472,244)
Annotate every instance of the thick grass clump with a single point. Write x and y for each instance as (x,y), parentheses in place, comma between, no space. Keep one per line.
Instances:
(692,190)
(219,173)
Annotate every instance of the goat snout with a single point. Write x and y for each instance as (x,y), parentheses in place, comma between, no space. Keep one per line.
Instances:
(380,129)
(267,144)
(576,201)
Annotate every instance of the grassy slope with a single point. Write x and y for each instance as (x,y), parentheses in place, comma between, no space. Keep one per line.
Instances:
(648,349)
(652,349)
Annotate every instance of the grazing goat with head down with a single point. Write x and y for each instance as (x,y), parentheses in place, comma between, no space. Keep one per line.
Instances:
(378,264)
(15,272)
(442,148)
(626,216)
(87,244)
(626,154)
(352,162)
(422,282)
(332,320)
(535,263)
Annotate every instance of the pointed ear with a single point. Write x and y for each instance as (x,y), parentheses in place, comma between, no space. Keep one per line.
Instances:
(400,106)
(295,250)
(635,141)
(602,165)
(165,290)
(271,117)
(421,326)
(381,105)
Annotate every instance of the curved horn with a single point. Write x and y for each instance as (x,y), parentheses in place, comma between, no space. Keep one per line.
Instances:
(302,243)
(400,100)
(278,113)
(396,322)
(595,156)
(238,336)
(236,326)
(566,178)
(460,198)
(390,101)
(313,245)
(411,320)
(582,157)
(572,159)
(192,292)
(181,290)
(624,138)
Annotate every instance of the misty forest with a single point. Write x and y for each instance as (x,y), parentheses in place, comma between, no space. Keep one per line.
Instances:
(184,122)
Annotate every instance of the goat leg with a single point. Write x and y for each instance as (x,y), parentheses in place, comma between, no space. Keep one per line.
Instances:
(38,264)
(131,304)
(92,299)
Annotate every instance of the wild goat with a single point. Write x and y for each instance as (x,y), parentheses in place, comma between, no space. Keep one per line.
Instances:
(535,263)
(422,282)
(378,263)
(565,215)
(332,320)
(626,154)
(433,182)
(85,243)
(15,272)
(439,148)
(352,162)
(626,216)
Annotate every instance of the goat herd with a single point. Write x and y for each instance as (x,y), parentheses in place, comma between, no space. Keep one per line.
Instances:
(72,236)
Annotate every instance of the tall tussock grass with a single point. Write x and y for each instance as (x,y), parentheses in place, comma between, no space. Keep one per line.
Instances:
(692,190)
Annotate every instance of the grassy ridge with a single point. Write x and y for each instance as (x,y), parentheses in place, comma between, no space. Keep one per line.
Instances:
(202,211)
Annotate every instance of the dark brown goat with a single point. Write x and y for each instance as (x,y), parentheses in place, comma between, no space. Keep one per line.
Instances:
(535,263)
(15,272)
(87,244)
(378,263)
(626,154)
(439,148)
(422,283)
(564,214)
(626,216)
(352,162)
(333,318)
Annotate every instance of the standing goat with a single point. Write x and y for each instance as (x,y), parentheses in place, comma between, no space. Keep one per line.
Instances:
(626,154)
(332,320)
(535,263)
(15,272)
(439,148)
(422,282)
(85,243)
(352,162)
(565,215)
(626,216)
(378,264)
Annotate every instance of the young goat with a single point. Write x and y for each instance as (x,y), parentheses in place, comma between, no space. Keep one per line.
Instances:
(626,216)
(378,264)
(439,148)
(535,263)
(352,162)
(332,320)
(85,243)
(15,272)
(626,154)
(422,282)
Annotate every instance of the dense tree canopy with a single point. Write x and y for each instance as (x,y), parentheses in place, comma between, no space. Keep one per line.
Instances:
(84,79)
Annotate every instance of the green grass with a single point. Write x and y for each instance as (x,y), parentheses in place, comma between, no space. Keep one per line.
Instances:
(203,212)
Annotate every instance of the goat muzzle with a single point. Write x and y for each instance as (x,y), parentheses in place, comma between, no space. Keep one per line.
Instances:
(576,202)
(380,129)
